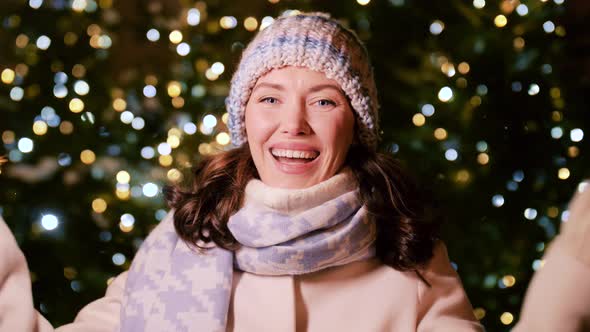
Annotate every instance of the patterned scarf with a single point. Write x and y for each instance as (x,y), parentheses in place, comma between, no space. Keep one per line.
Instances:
(172,287)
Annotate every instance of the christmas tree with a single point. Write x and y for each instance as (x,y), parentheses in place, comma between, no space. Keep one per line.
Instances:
(103,102)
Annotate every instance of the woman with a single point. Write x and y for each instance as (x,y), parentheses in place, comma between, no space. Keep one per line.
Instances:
(302,227)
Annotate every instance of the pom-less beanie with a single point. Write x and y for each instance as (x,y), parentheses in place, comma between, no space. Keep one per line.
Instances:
(320,43)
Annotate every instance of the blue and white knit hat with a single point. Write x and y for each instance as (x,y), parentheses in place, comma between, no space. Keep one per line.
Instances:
(320,43)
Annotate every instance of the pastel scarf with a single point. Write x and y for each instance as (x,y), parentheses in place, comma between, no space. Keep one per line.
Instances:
(172,287)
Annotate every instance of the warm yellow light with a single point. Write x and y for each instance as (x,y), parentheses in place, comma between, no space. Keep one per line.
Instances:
(151,80)
(87,157)
(440,134)
(123,194)
(94,41)
(174,175)
(99,205)
(506,318)
(500,21)
(211,76)
(174,89)
(125,228)
(225,117)
(448,69)
(250,23)
(78,71)
(507,6)
(175,36)
(555,92)
(556,116)
(21,69)
(222,138)
(70,272)
(483,158)
(479,313)
(204,148)
(563,173)
(76,105)
(8,76)
(463,68)
(518,43)
(509,280)
(418,119)
(123,177)
(273,1)
(8,137)
(363,2)
(475,101)
(66,127)
(22,40)
(173,141)
(119,104)
(40,127)
(463,176)
(560,31)
(165,160)
(175,132)
(110,280)
(573,151)
(93,29)
(552,211)
(228,22)
(177,102)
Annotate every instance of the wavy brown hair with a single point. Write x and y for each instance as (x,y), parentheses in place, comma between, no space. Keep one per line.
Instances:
(406,216)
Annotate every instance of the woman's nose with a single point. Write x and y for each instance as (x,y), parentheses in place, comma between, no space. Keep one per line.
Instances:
(294,120)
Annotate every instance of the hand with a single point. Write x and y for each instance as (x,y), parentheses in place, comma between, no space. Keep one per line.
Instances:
(579,207)
(575,232)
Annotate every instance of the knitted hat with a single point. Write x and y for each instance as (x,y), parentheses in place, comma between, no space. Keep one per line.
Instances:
(315,41)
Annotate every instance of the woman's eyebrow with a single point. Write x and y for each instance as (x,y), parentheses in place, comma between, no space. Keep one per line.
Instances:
(269,85)
(325,86)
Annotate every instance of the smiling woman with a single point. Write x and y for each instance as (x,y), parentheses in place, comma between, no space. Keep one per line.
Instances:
(317,227)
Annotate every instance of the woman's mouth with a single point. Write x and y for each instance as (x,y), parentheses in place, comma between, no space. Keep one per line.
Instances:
(290,156)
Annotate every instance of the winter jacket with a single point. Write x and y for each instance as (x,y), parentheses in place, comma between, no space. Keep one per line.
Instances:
(360,296)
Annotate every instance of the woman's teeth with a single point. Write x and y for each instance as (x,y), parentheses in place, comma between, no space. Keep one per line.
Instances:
(294,154)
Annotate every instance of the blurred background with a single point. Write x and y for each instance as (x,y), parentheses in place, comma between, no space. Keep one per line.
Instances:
(102,102)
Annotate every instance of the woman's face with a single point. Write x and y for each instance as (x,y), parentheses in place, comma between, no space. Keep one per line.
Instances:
(299,126)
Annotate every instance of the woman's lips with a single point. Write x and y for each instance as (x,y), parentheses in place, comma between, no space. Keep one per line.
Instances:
(294,160)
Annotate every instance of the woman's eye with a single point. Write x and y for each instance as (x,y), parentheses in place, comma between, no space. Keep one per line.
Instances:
(269,100)
(325,102)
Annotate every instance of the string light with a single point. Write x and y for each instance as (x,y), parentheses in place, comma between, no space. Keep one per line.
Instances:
(500,21)
(175,37)
(445,94)
(7,76)
(250,23)
(506,318)
(87,157)
(99,205)
(418,120)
